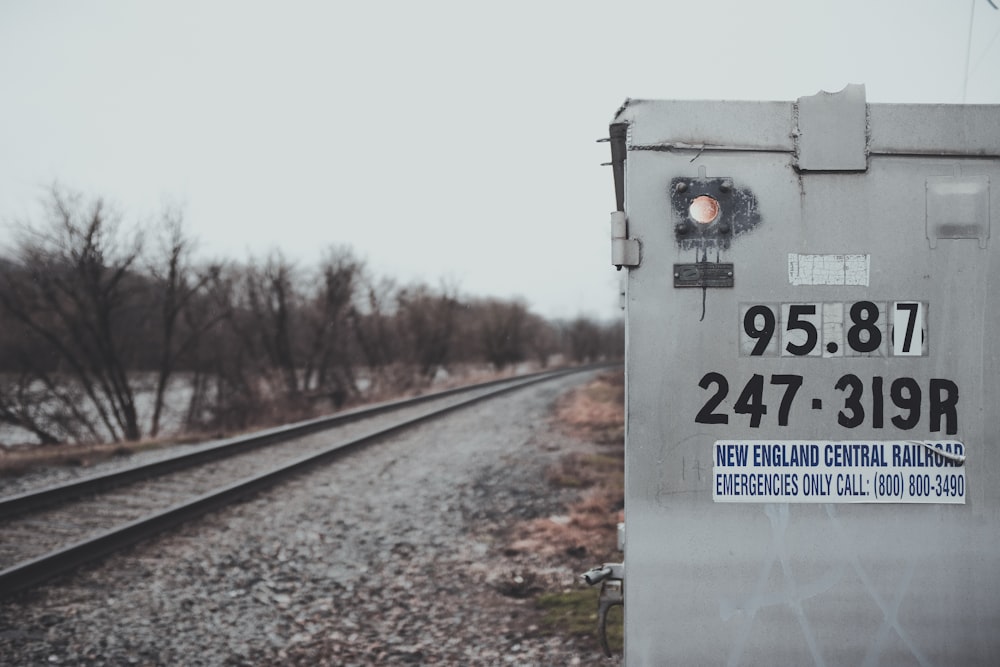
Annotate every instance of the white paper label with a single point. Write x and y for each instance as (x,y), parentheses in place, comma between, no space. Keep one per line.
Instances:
(791,471)
(828,269)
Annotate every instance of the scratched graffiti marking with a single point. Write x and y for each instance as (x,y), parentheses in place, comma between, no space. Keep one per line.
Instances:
(791,594)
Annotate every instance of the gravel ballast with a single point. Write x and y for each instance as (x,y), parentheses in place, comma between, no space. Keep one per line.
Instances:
(393,555)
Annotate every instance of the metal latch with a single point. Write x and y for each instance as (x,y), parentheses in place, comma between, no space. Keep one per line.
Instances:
(611,577)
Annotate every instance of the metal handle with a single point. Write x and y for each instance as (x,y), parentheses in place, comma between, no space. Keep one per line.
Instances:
(611,596)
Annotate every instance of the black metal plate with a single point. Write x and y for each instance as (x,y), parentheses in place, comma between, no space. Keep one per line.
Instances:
(703,274)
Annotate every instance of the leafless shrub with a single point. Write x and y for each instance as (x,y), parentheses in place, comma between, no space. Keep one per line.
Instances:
(71,285)
(88,303)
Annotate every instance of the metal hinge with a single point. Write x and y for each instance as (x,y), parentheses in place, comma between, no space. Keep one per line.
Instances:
(624,251)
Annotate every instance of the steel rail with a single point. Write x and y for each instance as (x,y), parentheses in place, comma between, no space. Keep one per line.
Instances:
(33,500)
(30,573)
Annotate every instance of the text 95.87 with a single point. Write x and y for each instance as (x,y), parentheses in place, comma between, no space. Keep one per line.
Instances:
(834,329)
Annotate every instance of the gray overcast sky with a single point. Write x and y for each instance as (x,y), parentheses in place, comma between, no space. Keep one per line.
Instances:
(440,139)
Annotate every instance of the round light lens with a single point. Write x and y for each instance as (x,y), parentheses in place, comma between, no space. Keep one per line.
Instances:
(704,210)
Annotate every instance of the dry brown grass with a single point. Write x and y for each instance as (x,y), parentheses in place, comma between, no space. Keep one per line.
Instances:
(588,530)
(596,411)
(19,460)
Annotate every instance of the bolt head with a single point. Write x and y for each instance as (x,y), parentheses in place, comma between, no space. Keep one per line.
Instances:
(681,187)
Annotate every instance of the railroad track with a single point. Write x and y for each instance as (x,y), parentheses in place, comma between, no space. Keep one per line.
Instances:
(52,530)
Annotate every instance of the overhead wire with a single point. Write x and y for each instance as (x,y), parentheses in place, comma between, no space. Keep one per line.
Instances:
(968,51)
(989,45)
(968,48)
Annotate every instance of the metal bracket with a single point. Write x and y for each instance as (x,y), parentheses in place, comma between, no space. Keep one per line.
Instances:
(618,136)
(832,131)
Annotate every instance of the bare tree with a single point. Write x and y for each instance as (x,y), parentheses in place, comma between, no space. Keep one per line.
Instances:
(375,320)
(613,340)
(429,320)
(590,340)
(207,357)
(71,284)
(84,313)
(234,371)
(27,404)
(543,339)
(272,302)
(503,330)
(585,338)
(332,351)
(178,285)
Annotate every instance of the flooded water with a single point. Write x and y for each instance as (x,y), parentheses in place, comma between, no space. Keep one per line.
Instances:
(171,420)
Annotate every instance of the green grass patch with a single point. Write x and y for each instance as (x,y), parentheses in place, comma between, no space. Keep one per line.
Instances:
(575,612)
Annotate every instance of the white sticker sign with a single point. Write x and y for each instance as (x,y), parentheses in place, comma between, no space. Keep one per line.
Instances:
(793,471)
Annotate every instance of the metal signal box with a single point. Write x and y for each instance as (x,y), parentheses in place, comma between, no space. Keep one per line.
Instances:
(813,381)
